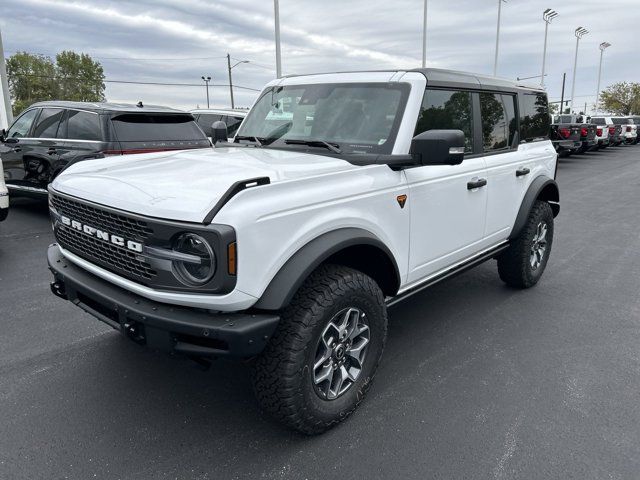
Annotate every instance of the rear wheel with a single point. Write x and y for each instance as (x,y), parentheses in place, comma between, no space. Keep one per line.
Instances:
(320,362)
(523,263)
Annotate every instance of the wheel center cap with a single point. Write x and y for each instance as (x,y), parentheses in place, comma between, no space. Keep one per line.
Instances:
(339,352)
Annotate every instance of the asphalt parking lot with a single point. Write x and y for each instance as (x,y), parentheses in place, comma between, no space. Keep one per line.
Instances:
(477,381)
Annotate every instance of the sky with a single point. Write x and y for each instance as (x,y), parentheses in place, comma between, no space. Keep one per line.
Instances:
(179,41)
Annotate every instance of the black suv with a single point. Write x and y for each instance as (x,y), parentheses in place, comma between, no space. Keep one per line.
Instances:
(49,136)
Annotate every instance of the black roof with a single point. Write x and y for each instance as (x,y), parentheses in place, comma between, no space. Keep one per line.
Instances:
(437,77)
(107,107)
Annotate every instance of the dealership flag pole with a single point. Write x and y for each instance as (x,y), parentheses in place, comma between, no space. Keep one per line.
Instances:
(547,16)
(580,32)
(276,13)
(603,46)
(6,117)
(495,60)
(424,36)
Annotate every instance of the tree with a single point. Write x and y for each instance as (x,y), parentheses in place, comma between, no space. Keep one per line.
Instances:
(621,98)
(35,78)
(31,79)
(79,77)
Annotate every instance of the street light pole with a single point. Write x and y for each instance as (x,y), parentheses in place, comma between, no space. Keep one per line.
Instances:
(6,117)
(603,47)
(276,12)
(547,16)
(206,81)
(580,32)
(424,35)
(495,61)
(229,66)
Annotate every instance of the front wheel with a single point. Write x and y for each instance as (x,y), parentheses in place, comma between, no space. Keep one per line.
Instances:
(523,263)
(320,362)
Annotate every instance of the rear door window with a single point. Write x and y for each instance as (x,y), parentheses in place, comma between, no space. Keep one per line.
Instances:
(498,121)
(447,110)
(83,126)
(22,126)
(534,117)
(48,123)
(135,127)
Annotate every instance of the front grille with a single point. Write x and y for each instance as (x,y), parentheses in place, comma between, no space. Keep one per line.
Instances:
(98,218)
(108,255)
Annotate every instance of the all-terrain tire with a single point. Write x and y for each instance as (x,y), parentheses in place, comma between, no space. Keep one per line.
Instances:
(517,265)
(283,375)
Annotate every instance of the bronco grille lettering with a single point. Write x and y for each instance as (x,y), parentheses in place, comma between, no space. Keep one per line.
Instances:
(101,234)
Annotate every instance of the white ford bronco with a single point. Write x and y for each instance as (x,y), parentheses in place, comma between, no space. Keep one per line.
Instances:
(341,195)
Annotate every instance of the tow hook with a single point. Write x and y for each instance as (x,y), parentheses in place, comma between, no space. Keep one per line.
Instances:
(57,288)
(135,332)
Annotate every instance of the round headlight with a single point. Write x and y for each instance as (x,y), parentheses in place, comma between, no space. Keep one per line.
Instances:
(198,269)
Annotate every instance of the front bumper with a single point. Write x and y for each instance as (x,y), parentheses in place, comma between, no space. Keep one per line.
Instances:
(170,328)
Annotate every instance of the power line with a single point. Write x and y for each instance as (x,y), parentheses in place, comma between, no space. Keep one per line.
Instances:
(251,62)
(139,82)
(181,84)
(127,58)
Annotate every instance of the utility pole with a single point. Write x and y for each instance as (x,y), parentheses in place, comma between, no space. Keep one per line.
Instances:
(603,47)
(424,35)
(6,116)
(230,81)
(495,61)
(547,16)
(564,78)
(230,67)
(580,32)
(276,12)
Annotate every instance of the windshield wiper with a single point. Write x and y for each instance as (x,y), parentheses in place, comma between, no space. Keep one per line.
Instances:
(257,140)
(335,148)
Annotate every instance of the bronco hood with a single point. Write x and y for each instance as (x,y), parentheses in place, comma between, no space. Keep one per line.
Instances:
(184,185)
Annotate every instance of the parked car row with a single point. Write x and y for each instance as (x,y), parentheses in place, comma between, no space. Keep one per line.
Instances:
(49,136)
(577,134)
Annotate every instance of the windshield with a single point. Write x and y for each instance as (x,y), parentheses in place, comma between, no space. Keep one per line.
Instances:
(620,121)
(355,118)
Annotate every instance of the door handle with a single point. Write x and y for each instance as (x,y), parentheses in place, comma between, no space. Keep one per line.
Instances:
(522,171)
(52,151)
(476,183)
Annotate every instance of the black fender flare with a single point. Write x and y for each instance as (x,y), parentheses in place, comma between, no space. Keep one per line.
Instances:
(297,268)
(542,188)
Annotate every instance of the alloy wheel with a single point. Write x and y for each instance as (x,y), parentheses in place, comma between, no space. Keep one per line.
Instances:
(538,246)
(340,353)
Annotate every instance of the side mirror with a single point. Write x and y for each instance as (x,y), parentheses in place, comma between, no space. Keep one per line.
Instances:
(3,134)
(438,147)
(219,132)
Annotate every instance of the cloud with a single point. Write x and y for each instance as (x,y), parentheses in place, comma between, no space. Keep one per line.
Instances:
(190,38)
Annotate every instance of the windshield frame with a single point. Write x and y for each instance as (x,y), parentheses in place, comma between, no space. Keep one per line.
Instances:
(385,149)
